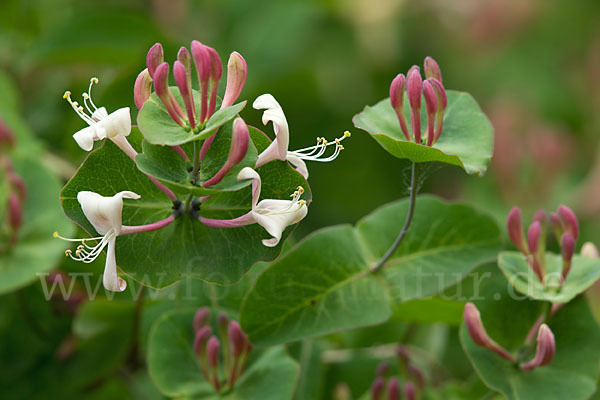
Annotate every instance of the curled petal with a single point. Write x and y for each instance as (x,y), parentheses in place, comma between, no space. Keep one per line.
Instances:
(276,215)
(110,279)
(273,113)
(479,335)
(104,213)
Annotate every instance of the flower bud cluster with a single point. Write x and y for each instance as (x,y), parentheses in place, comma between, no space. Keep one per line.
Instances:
(434,94)
(565,226)
(222,360)
(386,387)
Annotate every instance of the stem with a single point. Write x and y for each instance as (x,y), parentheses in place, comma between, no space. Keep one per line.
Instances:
(411,210)
(196,162)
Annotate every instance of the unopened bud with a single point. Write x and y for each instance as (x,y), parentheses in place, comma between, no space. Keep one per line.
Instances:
(142,88)
(201,57)
(212,352)
(216,71)
(377,388)
(414,89)
(542,217)
(185,89)
(567,248)
(514,226)
(237,71)
(382,369)
(201,318)
(184,57)
(393,389)
(240,140)
(161,87)
(546,347)
(431,106)
(403,355)
(397,99)
(154,58)
(15,212)
(442,103)
(479,335)
(237,339)
(557,226)
(569,220)
(410,391)
(201,339)
(590,250)
(432,69)
(417,375)
(7,138)
(533,236)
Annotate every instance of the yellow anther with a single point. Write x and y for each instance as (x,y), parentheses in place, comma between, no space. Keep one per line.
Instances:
(68,252)
(80,247)
(340,147)
(336,140)
(78,252)
(85,96)
(302,203)
(300,189)
(94,80)
(67,95)
(347,134)
(55,235)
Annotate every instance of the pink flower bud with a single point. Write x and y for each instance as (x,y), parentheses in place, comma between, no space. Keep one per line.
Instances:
(7,138)
(202,58)
(201,339)
(18,183)
(223,322)
(546,347)
(154,58)
(410,392)
(533,236)
(237,338)
(185,89)
(414,89)
(240,140)
(377,388)
(557,226)
(514,226)
(403,355)
(382,369)
(567,248)
(161,87)
(569,221)
(479,335)
(432,69)
(442,103)
(202,318)
(237,71)
(431,106)
(397,99)
(393,389)
(212,352)
(184,57)
(542,217)
(142,88)
(15,212)
(417,375)
(216,71)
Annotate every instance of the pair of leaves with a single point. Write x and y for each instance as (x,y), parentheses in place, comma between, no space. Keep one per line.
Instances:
(467,138)
(175,368)
(583,273)
(573,372)
(185,248)
(323,284)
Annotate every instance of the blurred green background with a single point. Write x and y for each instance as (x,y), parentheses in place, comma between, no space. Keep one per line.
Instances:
(533,65)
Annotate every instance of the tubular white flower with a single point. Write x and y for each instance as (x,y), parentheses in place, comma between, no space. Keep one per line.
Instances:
(105,214)
(274,215)
(278,149)
(101,124)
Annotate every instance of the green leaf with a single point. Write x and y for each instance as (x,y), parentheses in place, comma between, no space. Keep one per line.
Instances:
(36,251)
(584,272)
(158,127)
(466,140)
(573,372)
(185,248)
(323,284)
(168,167)
(175,368)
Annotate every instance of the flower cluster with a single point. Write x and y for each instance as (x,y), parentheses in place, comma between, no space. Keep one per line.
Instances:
(386,387)
(546,345)
(191,110)
(16,190)
(565,227)
(430,89)
(222,361)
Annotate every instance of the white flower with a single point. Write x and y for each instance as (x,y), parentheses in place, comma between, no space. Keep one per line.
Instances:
(278,149)
(101,124)
(105,214)
(273,215)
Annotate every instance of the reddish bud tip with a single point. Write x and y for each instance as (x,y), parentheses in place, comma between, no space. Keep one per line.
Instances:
(240,140)
(403,354)
(410,391)
(236,338)
(569,220)
(212,352)
(533,236)
(397,99)
(184,83)
(431,106)
(142,88)
(417,375)
(201,318)
(237,71)
(201,339)
(223,321)
(377,388)
(479,335)
(154,58)
(542,217)
(514,226)
(414,88)
(7,138)
(161,87)
(382,369)
(546,347)
(432,69)
(393,389)
(567,246)
(15,212)
(184,57)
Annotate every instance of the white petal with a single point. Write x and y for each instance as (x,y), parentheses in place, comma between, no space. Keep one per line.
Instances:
(85,138)
(104,213)
(117,123)
(299,164)
(276,215)
(273,113)
(249,173)
(110,278)
(99,114)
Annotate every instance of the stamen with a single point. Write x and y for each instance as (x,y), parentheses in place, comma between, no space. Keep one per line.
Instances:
(78,109)
(84,252)
(92,81)
(314,153)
